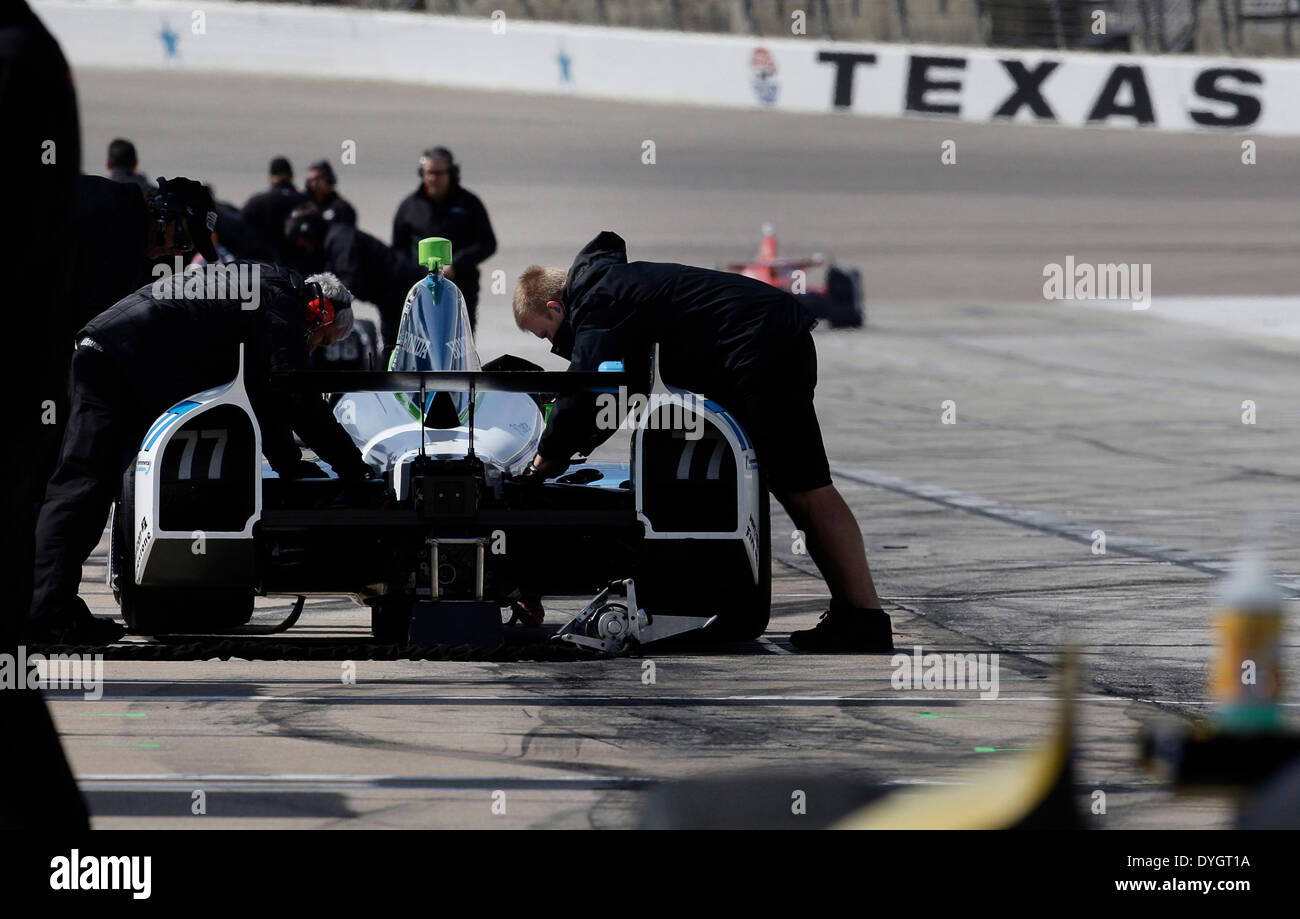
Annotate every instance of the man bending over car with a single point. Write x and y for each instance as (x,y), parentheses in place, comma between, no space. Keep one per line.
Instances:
(144,354)
(739,341)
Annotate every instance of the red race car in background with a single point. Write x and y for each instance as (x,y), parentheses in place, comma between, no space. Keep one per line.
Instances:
(838,299)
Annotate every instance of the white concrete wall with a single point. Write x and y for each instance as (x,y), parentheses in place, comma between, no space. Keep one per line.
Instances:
(793,74)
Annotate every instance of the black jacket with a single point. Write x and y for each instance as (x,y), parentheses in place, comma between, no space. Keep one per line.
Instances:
(238,238)
(168,348)
(337,210)
(109,236)
(718,332)
(368,268)
(134,178)
(461,218)
(267,211)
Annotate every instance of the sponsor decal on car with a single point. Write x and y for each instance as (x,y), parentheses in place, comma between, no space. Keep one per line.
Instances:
(142,540)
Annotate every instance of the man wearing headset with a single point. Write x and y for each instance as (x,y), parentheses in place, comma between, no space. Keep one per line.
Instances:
(322,187)
(149,351)
(441,206)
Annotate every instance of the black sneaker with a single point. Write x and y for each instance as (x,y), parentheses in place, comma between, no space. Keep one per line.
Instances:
(842,631)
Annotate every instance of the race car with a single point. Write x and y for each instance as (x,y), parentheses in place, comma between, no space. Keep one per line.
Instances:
(676,538)
(838,300)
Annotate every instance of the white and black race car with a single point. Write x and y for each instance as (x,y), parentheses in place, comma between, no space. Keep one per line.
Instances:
(674,539)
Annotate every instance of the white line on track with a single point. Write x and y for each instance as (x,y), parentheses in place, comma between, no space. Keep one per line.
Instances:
(315,777)
(1192,594)
(1046,523)
(304,782)
(647,700)
(333,681)
(773,647)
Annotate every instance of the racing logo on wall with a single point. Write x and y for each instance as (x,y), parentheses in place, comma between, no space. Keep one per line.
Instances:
(762,68)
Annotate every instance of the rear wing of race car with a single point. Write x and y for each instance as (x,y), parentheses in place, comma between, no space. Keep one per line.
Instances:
(445,381)
(706,485)
(198,475)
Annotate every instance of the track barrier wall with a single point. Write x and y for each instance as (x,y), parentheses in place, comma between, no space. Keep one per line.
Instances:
(802,74)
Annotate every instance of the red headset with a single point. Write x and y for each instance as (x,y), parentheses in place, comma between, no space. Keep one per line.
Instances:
(320,309)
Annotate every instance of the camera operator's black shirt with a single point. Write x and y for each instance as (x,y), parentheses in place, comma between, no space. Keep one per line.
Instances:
(109,239)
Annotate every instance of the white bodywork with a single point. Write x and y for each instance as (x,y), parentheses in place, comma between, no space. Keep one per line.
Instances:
(203,455)
(742,454)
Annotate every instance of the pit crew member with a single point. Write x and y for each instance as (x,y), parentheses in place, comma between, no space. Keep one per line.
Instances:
(143,355)
(266,211)
(441,206)
(739,341)
(322,189)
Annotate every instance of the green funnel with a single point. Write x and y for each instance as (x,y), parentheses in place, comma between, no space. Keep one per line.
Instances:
(435,252)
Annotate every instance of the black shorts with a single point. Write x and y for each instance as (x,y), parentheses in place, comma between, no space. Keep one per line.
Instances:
(776,410)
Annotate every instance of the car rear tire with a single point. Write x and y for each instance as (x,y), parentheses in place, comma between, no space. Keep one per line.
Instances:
(706,577)
(166,610)
(753,609)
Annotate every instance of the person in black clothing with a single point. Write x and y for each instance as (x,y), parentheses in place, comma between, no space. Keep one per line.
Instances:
(236,239)
(40,159)
(111,238)
(741,342)
(266,211)
(122,162)
(121,232)
(321,184)
(441,206)
(148,352)
(371,270)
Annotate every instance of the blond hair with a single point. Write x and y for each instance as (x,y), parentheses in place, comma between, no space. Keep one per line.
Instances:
(537,286)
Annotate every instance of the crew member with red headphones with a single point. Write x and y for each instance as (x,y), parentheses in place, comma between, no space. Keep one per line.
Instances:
(144,354)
